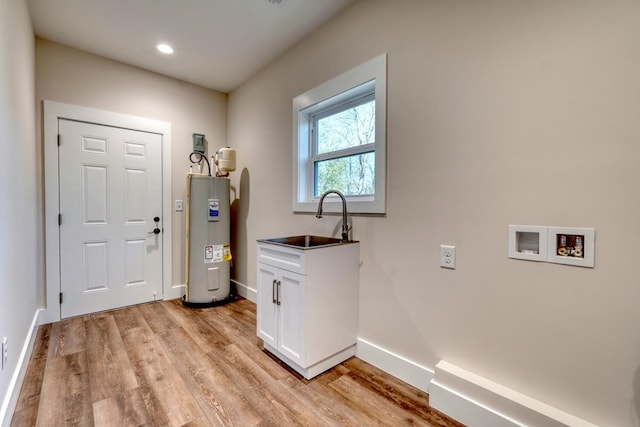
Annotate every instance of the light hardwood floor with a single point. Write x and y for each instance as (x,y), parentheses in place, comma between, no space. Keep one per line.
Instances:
(161,364)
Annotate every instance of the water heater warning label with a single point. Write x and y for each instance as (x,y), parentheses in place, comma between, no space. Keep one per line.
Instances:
(213,253)
(214,209)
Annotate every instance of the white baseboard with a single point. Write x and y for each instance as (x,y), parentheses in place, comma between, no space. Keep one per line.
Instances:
(246,292)
(478,402)
(466,397)
(13,392)
(398,366)
(176,291)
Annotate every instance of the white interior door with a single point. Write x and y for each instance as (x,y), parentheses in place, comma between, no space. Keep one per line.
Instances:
(110,192)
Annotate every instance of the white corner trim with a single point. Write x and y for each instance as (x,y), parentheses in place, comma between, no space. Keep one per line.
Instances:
(396,365)
(54,111)
(477,401)
(246,292)
(15,385)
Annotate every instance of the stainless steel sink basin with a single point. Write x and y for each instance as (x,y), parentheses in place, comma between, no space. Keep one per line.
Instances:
(305,242)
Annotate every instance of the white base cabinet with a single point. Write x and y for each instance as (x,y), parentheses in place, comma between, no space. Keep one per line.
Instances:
(308,304)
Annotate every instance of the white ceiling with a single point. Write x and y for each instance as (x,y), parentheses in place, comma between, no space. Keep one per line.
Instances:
(218,44)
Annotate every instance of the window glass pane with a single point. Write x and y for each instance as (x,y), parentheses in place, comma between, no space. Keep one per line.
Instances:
(347,128)
(352,175)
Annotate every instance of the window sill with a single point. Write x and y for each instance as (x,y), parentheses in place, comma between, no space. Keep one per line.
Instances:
(353,207)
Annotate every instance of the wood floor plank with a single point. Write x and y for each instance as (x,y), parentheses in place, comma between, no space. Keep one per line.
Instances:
(110,371)
(41,344)
(78,410)
(129,318)
(200,422)
(157,316)
(219,399)
(335,411)
(123,410)
(162,364)
(168,400)
(67,336)
(243,337)
(369,402)
(24,417)
(395,391)
(192,321)
(259,393)
(273,389)
(30,394)
(65,390)
(242,311)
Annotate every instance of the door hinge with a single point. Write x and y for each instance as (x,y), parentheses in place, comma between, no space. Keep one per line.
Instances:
(60,297)
(59,220)
(59,139)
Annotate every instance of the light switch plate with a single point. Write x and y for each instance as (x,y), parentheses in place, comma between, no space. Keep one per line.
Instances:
(448,256)
(179,206)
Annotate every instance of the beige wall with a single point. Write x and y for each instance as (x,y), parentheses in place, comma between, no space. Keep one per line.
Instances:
(499,113)
(71,76)
(21,260)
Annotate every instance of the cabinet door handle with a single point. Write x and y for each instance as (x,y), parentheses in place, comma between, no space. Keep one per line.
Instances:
(278,288)
(273,291)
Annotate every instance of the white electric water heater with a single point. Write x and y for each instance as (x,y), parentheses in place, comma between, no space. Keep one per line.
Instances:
(208,251)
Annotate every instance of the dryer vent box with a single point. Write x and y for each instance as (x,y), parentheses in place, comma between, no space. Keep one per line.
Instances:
(528,242)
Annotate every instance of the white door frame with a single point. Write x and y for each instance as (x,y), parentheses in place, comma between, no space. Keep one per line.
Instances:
(54,111)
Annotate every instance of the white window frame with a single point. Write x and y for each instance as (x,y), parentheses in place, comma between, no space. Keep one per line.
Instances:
(372,75)
(352,102)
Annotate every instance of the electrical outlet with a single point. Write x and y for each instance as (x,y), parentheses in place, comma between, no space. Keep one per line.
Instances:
(179,206)
(5,352)
(448,256)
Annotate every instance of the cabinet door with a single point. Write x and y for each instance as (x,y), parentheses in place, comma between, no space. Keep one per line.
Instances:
(292,316)
(267,310)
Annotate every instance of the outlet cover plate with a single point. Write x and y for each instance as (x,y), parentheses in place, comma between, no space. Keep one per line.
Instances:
(448,256)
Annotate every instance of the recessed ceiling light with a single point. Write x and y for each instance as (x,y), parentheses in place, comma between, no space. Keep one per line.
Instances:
(165,48)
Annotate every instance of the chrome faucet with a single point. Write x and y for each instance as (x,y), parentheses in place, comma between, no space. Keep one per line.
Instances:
(345,226)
